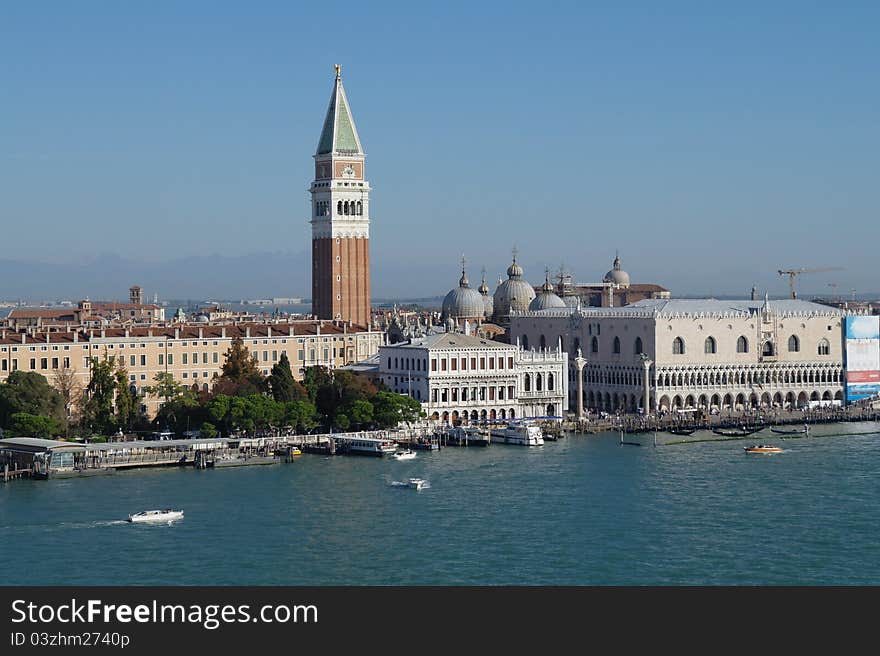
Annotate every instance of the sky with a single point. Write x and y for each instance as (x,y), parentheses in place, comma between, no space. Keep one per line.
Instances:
(710,145)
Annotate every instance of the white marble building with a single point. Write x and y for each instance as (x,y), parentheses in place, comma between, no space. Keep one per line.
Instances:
(465,378)
(698,353)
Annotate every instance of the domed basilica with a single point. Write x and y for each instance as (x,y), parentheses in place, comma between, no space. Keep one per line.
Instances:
(516,294)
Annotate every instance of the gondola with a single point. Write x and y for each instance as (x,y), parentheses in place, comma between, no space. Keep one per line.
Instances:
(791,431)
(681,431)
(737,432)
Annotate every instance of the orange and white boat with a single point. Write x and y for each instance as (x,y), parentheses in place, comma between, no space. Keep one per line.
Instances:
(762,448)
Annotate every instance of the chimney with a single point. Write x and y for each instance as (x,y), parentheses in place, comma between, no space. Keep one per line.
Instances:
(201,332)
(23,338)
(247,331)
(76,336)
(290,329)
(177,333)
(149,332)
(318,327)
(47,336)
(223,332)
(127,332)
(269,330)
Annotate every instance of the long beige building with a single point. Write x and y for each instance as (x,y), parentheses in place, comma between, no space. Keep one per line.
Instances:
(191,353)
(695,353)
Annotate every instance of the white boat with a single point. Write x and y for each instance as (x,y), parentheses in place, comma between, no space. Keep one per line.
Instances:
(413,483)
(369,446)
(155,516)
(405,455)
(518,432)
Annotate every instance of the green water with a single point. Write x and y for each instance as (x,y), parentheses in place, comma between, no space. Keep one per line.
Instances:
(584,510)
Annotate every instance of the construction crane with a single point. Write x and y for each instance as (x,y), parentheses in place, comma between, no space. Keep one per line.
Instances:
(791,273)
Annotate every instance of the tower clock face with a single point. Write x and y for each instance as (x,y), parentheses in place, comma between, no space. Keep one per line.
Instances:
(348,171)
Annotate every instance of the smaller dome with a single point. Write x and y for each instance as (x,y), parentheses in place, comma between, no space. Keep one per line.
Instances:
(515,271)
(617,275)
(463,302)
(487,299)
(547,299)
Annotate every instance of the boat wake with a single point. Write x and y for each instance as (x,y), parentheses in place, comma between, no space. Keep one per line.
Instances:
(94,524)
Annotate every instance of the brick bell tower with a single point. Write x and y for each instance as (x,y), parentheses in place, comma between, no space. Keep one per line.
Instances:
(340,218)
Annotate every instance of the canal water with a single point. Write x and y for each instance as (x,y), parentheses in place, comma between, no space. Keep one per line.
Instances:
(585,510)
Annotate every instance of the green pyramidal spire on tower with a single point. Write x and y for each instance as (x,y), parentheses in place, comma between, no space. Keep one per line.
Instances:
(339,134)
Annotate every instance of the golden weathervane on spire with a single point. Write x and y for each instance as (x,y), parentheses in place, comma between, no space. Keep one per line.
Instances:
(338,68)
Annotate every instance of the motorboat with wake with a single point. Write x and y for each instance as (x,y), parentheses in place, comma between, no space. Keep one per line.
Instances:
(413,483)
(408,454)
(762,448)
(155,516)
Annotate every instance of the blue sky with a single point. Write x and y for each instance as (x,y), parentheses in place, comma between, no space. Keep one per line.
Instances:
(710,145)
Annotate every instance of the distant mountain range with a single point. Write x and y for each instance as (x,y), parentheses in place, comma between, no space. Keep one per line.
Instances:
(396,278)
(109,276)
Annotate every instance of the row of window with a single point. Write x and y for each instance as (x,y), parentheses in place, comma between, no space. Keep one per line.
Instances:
(44,364)
(473,394)
(454,364)
(768,348)
(539,382)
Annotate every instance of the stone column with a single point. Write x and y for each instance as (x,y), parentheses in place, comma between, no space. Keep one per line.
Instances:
(646,363)
(579,362)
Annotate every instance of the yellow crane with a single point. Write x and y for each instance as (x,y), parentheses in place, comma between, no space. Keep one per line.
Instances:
(791,273)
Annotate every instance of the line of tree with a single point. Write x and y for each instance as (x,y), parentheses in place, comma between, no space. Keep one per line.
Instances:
(241,399)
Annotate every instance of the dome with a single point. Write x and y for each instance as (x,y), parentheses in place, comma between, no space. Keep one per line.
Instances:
(617,275)
(463,302)
(514,294)
(547,299)
(488,305)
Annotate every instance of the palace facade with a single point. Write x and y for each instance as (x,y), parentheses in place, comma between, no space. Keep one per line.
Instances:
(462,378)
(695,353)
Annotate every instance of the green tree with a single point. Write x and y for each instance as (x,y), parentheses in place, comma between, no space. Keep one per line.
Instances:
(390,409)
(282,384)
(97,404)
(126,401)
(29,425)
(315,378)
(360,412)
(208,430)
(343,389)
(179,408)
(31,393)
(240,375)
(341,421)
(300,415)
(218,411)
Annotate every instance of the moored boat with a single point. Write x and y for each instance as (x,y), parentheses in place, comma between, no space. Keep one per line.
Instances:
(681,431)
(791,431)
(518,432)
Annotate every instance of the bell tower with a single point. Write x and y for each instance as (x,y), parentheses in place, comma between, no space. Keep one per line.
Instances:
(340,218)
